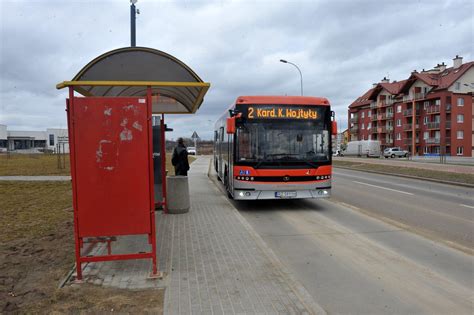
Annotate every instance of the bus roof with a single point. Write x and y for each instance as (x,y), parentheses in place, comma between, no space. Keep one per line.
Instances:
(297,100)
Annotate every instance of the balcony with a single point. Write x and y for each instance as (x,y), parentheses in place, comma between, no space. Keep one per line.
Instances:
(407,98)
(409,141)
(433,109)
(373,105)
(389,128)
(432,125)
(373,118)
(385,116)
(373,130)
(420,96)
(409,112)
(385,103)
(354,120)
(354,129)
(433,141)
(408,127)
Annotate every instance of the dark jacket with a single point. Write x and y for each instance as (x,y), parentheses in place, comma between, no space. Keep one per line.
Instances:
(180,160)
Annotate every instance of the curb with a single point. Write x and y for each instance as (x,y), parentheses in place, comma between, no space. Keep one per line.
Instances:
(300,291)
(410,176)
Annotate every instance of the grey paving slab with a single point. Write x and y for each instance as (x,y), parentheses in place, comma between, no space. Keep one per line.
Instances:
(214,262)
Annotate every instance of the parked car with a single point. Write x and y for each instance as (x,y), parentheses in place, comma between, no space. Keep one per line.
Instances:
(394,152)
(191,150)
(368,148)
(337,153)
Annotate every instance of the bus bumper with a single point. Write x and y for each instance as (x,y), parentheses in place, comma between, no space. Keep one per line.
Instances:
(280,194)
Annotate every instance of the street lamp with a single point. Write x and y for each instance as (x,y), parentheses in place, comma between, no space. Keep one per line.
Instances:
(133,12)
(301,75)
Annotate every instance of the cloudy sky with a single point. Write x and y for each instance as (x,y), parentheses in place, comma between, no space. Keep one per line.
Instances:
(342,47)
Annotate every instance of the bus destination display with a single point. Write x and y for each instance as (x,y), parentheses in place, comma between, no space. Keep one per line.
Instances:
(281,112)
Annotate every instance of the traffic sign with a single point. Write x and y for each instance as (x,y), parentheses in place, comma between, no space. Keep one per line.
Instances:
(195,135)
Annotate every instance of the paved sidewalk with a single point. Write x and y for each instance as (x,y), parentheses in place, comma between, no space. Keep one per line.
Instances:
(214,262)
(462,169)
(35,178)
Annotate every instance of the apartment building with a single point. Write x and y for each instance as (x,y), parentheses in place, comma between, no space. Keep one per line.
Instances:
(430,112)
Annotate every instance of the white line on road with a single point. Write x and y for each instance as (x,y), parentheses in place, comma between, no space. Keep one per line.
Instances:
(402,192)
(466,206)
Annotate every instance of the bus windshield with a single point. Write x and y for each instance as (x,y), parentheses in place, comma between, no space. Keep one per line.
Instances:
(282,141)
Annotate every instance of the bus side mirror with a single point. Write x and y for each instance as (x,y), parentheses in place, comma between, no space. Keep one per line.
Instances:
(334,128)
(231,125)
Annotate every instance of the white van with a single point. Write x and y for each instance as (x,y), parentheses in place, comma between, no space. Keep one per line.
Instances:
(368,148)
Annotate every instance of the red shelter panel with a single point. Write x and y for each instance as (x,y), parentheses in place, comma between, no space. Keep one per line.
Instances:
(112,176)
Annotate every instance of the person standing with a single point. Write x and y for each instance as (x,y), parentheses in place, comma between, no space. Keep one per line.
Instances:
(179,159)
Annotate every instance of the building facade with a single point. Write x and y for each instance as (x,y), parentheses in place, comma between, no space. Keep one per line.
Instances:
(430,113)
(52,140)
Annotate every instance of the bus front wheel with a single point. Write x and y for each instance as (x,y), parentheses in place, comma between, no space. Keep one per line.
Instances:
(226,185)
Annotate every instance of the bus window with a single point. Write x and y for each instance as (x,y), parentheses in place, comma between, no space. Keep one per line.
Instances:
(243,144)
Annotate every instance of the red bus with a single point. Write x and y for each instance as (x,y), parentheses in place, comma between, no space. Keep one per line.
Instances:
(272,147)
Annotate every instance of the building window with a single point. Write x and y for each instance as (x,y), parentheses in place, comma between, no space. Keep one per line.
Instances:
(399,108)
(369,125)
(457,86)
(399,122)
(363,115)
(460,134)
(437,102)
(399,136)
(459,150)
(363,126)
(425,120)
(369,113)
(460,118)
(426,150)
(51,140)
(426,104)
(460,101)
(426,135)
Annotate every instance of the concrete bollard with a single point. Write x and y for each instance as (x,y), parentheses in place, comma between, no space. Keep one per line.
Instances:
(177,194)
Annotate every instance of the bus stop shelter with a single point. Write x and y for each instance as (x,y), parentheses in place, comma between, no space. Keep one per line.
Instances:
(110,108)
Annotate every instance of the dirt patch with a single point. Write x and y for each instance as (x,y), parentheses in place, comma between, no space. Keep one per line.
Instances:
(37,251)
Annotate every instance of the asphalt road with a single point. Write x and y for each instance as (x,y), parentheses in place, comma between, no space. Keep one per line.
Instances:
(382,244)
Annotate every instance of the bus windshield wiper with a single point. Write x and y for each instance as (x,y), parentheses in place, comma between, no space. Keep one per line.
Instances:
(311,164)
(258,164)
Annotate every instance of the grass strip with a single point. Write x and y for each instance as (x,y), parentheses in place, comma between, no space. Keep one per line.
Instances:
(409,171)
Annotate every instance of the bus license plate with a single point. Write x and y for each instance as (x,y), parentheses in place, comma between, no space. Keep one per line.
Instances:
(285,194)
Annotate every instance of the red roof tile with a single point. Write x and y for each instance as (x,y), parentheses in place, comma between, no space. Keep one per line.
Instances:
(362,100)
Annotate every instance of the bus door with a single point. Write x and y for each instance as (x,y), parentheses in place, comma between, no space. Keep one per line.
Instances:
(220,152)
(230,159)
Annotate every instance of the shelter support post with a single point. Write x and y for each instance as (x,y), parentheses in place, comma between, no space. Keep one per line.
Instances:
(152,237)
(163,162)
(72,161)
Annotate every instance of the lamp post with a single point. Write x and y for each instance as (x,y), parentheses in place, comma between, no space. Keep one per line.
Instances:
(301,75)
(133,19)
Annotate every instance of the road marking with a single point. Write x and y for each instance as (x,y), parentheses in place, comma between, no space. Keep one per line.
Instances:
(399,191)
(466,206)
